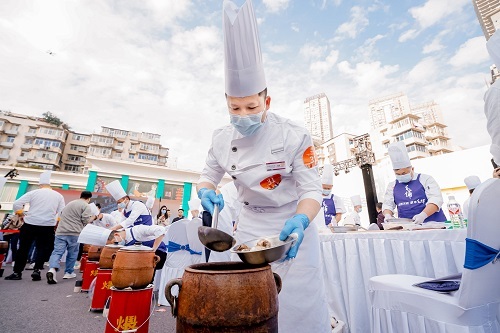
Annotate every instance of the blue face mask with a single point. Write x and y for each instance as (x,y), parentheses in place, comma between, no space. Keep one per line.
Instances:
(121,205)
(326,192)
(247,125)
(404,178)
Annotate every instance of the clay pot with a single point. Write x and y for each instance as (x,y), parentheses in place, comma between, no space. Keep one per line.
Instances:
(95,252)
(86,248)
(4,247)
(133,266)
(226,297)
(106,260)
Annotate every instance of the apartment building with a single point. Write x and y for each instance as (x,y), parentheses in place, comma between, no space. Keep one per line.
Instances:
(339,148)
(488,14)
(318,118)
(33,142)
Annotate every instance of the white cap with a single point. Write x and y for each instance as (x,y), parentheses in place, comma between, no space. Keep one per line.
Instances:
(493,47)
(116,190)
(472,182)
(194,204)
(94,235)
(399,155)
(243,66)
(3,180)
(356,200)
(150,202)
(45,178)
(93,209)
(327,176)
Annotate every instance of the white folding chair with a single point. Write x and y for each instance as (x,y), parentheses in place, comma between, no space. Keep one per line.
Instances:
(194,241)
(178,257)
(398,306)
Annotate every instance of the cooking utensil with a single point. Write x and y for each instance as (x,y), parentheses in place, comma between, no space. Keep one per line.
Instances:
(398,220)
(214,239)
(277,251)
(344,228)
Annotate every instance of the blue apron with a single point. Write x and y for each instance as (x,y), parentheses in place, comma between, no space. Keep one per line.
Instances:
(328,206)
(142,219)
(410,198)
(162,247)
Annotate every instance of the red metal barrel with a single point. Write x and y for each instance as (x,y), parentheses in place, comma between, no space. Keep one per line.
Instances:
(89,274)
(102,289)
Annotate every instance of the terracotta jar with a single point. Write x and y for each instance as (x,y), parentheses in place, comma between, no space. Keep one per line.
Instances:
(133,266)
(226,297)
(95,252)
(106,260)
(86,248)
(4,247)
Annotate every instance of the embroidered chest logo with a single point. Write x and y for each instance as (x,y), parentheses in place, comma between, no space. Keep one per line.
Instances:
(408,192)
(270,183)
(309,157)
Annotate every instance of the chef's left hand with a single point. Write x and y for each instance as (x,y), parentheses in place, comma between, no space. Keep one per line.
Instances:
(297,224)
(420,217)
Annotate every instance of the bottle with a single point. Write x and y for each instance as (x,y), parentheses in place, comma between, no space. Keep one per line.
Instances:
(456,217)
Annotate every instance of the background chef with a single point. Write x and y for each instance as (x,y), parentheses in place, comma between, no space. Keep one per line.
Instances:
(416,196)
(332,205)
(273,164)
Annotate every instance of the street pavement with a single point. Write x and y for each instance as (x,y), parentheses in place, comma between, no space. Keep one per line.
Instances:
(36,306)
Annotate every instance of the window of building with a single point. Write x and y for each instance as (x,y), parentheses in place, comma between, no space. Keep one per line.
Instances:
(28,141)
(46,155)
(41,166)
(72,168)
(146,146)
(79,137)
(2,123)
(32,130)
(118,155)
(148,157)
(76,158)
(51,131)
(11,138)
(48,143)
(100,151)
(131,156)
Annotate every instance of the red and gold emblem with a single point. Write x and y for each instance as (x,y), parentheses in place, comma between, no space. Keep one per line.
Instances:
(270,183)
(309,157)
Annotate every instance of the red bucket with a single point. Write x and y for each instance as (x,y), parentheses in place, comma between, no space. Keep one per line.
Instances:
(89,274)
(102,289)
(83,261)
(129,310)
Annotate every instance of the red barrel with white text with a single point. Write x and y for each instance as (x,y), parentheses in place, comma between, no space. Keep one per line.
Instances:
(102,289)
(129,310)
(89,274)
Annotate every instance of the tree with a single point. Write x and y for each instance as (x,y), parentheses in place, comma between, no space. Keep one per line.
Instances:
(54,120)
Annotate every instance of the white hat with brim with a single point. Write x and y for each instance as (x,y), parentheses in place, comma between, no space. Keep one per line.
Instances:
(45,178)
(327,176)
(93,209)
(356,200)
(116,190)
(150,202)
(399,155)
(472,182)
(194,204)
(94,235)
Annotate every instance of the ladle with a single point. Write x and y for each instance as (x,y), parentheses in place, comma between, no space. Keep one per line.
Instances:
(214,239)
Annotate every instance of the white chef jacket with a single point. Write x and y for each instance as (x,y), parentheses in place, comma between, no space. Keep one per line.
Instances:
(339,204)
(465,208)
(144,233)
(45,204)
(137,209)
(273,169)
(118,216)
(107,221)
(432,191)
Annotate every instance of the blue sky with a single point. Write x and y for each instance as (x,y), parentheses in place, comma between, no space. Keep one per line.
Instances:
(157,65)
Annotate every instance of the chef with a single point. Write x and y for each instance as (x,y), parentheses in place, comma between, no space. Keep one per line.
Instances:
(102,220)
(332,205)
(135,212)
(416,196)
(492,103)
(471,182)
(273,164)
(356,203)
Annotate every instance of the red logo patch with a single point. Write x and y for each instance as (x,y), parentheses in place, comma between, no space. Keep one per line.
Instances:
(309,157)
(270,183)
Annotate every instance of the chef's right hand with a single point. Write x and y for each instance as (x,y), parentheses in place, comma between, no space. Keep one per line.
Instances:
(297,224)
(209,198)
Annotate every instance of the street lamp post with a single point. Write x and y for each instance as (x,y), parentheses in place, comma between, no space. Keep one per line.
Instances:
(363,158)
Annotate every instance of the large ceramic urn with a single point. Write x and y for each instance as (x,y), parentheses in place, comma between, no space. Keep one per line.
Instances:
(94,252)
(133,266)
(106,259)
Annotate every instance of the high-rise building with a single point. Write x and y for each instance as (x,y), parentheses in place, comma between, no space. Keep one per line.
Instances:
(34,142)
(421,127)
(488,14)
(318,118)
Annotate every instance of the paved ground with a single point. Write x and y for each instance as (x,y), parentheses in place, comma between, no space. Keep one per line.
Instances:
(35,306)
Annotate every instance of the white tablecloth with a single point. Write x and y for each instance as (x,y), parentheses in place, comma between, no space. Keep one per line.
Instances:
(351,259)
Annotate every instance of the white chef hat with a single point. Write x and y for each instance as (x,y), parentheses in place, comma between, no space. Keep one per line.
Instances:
(399,155)
(150,202)
(244,71)
(472,182)
(3,180)
(93,209)
(327,176)
(116,190)
(356,200)
(94,235)
(493,47)
(194,204)
(45,178)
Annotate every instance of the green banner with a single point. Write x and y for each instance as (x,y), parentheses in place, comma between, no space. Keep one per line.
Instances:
(91,181)
(186,196)
(23,187)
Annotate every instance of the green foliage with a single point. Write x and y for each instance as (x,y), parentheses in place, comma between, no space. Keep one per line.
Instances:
(54,120)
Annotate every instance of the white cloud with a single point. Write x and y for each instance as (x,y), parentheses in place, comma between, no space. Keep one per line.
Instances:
(367,51)
(407,35)
(295,27)
(369,77)
(434,11)
(471,52)
(321,68)
(434,46)
(357,23)
(424,72)
(310,51)
(276,5)
(277,48)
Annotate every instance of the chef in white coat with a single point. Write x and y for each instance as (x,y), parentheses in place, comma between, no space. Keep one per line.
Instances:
(471,182)
(101,219)
(332,205)
(357,208)
(492,103)
(273,164)
(416,196)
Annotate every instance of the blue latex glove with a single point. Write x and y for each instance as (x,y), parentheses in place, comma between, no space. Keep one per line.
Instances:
(209,199)
(297,224)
